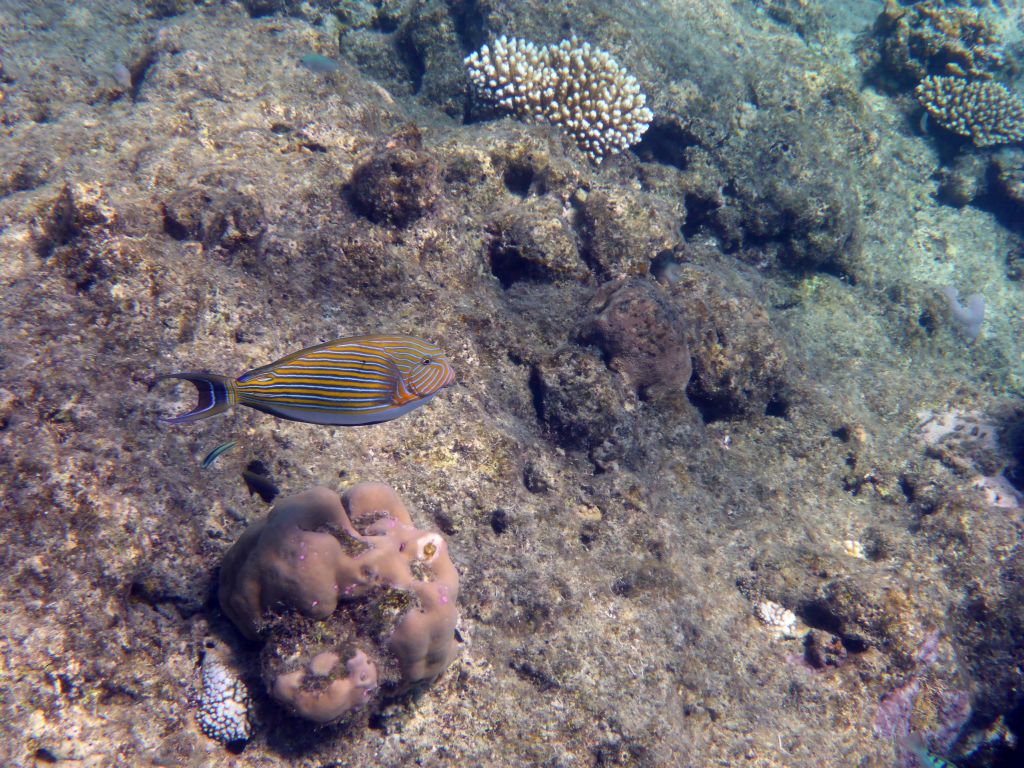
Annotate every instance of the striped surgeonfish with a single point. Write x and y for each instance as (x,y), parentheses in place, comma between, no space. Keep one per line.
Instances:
(357,380)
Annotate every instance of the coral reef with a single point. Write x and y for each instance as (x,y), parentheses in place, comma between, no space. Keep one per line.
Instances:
(530,241)
(176,190)
(936,38)
(985,111)
(358,564)
(577,87)
(622,231)
(739,364)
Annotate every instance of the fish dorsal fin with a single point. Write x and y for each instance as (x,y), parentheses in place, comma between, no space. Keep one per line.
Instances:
(253,373)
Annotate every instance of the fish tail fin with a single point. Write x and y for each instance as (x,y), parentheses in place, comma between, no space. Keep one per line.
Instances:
(216,395)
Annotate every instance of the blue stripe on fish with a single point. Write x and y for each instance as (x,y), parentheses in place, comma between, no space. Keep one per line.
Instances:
(347,382)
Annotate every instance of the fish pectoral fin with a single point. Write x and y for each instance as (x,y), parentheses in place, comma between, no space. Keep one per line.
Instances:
(400,394)
(401,397)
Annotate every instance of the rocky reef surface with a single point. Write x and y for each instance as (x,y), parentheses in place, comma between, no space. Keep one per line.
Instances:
(722,479)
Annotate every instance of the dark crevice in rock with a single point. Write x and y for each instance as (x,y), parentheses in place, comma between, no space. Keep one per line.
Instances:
(537,394)
(665,143)
(469,25)
(412,58)
(499,521)
(139,70)
(518,177)
(709,410)
(778,407)
(699,212)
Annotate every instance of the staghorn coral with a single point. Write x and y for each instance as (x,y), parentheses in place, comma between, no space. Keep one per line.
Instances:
(579,88)
(348,593)
(984,110)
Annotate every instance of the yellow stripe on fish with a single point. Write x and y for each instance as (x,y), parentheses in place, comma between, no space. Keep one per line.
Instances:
(347,382)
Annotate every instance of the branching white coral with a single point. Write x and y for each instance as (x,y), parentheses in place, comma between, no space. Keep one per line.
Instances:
(579,88)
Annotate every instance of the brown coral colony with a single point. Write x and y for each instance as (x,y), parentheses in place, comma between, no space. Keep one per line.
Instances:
(349,595)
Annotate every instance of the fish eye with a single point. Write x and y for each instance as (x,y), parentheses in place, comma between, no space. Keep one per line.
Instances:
(426,361)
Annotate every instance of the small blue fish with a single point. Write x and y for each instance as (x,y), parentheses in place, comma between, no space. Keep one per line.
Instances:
(347,382)
(314,62)
(916,746)
(218,451)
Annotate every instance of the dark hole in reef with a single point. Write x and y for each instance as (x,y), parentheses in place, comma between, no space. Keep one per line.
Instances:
(907,489)
(537,393)
(518,177)
(385,23)
(927,322)
(508,265)
(470,25)
(998,201)
(709,410)
(624,587)
(259,8)
(853,644)
(665,143)
(588,534)
(698,215)
(91,272)
(532,674)
(236,747)
(174,228)
(312,146)
(280,129)
(842,433)
(138,72)
(819,616)
(778,407)
(415,66)
(445,522)
(499,521)
(1011,757)
(44,755)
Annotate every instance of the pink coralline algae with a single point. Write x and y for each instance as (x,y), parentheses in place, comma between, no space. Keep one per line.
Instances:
(352,599)
(895,712)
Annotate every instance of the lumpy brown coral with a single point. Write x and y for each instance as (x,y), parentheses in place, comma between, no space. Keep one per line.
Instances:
(349,594)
